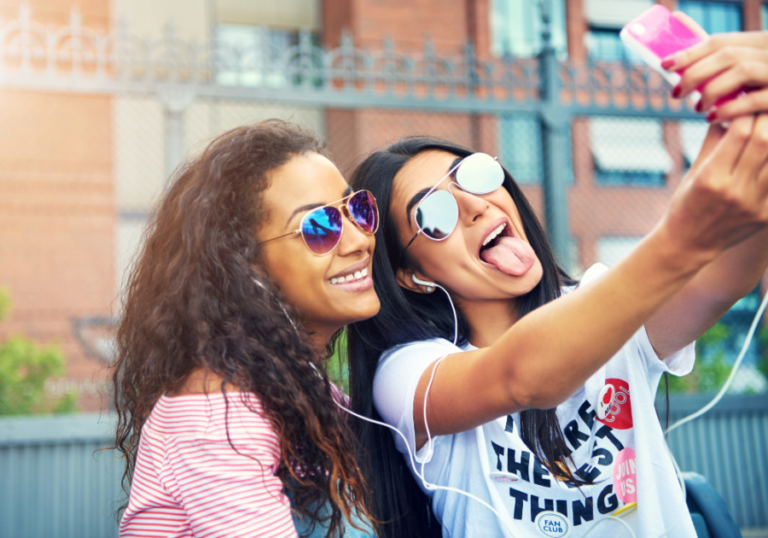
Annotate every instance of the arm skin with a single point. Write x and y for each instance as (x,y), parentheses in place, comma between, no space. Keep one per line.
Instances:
(724,62)
(548,354)
(716,287)
(709,295)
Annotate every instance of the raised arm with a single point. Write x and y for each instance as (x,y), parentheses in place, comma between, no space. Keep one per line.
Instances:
(720,283)
(547,355)
(723,63)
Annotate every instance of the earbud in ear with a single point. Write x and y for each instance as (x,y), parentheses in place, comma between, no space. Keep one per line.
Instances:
(430,285)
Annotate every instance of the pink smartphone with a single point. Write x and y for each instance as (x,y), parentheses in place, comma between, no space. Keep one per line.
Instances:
(656,34)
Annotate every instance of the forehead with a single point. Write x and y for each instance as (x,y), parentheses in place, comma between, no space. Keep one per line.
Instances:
(422,171)
(305,179)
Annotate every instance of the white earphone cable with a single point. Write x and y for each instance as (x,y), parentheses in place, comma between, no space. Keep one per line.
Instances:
(726,386)
(678,472)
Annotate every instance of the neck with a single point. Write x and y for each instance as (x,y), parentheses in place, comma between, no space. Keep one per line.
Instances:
(319,337)
(488,319)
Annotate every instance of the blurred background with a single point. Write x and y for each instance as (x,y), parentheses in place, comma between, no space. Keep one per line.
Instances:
(101,99)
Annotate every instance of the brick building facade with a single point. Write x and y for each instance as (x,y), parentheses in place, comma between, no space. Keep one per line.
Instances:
(66,207)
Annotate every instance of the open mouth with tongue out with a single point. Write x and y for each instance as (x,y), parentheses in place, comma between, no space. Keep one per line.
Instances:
(502,250)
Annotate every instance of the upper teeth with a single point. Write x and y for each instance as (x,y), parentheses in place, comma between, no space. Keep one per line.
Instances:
(357,275)
(494,234)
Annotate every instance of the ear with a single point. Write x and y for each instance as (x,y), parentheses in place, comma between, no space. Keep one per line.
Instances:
(404,279)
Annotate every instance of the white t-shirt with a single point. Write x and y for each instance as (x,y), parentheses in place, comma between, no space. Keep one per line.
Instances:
(623,452)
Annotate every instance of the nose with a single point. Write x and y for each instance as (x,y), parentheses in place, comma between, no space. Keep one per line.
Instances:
(353,239)
(471,206)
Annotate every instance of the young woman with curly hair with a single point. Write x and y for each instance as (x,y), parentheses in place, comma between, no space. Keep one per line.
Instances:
(256,256)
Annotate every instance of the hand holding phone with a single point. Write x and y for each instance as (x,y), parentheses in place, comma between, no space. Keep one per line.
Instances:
(657,34)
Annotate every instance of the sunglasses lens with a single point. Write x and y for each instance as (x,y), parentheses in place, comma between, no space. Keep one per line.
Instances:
(437,215)
(362,208)
(322,229)
(480,174)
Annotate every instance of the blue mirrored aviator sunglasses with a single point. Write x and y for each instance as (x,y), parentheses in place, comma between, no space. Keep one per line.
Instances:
(437,213)
(321,228)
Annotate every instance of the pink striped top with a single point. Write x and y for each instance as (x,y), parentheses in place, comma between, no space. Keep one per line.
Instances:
(189,482)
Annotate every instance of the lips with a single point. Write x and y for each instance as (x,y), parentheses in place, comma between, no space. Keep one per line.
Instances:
(503,251)
(499,227)
(354,278)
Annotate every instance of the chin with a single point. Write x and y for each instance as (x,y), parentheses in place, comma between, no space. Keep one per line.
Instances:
(364,309)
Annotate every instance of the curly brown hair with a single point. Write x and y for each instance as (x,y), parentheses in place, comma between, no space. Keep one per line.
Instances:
(191,303)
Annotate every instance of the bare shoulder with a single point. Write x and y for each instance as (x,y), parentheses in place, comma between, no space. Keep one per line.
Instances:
(202,381)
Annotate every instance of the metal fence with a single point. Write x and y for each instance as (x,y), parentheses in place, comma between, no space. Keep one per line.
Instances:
(727,446)
(599,146)
(56,483)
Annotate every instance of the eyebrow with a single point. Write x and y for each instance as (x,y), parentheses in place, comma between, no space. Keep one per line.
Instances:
(423,192)
(309,207)
(415,200)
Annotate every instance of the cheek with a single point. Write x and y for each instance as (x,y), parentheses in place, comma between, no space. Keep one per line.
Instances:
(299,275)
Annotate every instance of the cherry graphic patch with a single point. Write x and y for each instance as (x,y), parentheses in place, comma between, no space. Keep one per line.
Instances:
(614,406)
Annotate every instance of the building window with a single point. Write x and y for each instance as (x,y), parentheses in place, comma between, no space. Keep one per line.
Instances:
(520,149)
(629,151)
(254,55)
(516,27)
(714,17)
(605,19)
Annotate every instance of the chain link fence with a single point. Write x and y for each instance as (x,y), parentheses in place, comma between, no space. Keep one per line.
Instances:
(623,171)
(81,168)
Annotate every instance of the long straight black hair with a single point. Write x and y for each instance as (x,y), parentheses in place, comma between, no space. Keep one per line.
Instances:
(405,316)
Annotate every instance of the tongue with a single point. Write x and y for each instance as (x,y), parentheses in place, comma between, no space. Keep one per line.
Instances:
(510,255)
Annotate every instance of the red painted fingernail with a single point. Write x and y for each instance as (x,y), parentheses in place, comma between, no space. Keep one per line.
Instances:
(668,63)
(676,91)
(711,116)
(698,106)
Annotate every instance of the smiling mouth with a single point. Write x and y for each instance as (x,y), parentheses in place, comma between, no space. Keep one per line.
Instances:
(351,277)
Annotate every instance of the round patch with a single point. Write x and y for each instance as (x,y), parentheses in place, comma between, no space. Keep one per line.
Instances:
(625,476)
(552,524)
(504,478)
(615,405)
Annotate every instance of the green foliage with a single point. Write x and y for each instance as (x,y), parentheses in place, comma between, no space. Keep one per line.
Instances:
(24,369)
(711,369)
(337,367)
(762,362)
(5,303)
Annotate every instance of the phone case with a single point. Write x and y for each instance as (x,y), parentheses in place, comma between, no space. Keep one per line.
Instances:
(656,34)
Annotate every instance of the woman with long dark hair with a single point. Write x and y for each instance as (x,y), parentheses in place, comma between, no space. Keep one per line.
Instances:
(256,256)
(538,399)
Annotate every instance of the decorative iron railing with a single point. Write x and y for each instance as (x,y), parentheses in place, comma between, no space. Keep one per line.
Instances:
(35,54)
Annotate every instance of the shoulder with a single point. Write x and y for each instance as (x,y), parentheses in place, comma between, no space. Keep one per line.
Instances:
(402,366)
(414,350)
(594,272)
(213,417)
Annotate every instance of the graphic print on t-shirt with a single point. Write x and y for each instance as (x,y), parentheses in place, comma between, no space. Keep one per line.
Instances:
(614,405)
(597,447)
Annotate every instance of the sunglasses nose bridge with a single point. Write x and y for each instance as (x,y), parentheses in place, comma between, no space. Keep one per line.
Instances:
(470,204)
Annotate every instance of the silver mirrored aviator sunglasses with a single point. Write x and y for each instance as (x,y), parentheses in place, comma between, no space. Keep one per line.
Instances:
(437,213)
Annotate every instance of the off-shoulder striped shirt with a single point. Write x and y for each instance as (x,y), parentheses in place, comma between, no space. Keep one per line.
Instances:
(189,481)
